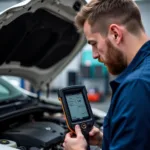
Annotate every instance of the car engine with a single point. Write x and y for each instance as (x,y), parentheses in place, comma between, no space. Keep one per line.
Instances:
(42,135)
(40,127)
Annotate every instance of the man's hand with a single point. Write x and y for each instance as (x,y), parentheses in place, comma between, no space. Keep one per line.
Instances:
(96,137)
(75,143)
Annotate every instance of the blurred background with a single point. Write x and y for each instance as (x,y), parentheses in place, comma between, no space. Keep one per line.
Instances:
(83,69)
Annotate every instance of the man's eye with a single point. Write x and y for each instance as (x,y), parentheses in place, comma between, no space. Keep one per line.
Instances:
(93,44)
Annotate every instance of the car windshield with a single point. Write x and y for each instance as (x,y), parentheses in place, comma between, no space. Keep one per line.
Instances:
(8,91)
(13,87)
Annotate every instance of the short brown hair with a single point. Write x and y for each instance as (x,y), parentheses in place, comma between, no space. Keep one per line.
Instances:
(106,12)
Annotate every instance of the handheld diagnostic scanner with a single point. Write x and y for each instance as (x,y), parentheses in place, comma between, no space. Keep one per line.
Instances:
(76,108)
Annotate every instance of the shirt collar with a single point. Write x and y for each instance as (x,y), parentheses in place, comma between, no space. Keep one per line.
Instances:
(140,56)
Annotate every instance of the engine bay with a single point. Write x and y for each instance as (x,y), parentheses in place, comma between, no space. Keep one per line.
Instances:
(39,134)
(35,129)
(39,128)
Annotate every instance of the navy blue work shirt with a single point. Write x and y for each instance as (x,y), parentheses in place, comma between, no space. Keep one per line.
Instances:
(127,124)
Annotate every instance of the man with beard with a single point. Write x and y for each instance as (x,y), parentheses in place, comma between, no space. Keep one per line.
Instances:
(115,31)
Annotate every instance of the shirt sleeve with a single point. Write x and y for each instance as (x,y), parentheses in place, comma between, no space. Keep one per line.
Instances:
(130,122)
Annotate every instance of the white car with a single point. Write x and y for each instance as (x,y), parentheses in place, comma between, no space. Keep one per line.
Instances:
(37,40)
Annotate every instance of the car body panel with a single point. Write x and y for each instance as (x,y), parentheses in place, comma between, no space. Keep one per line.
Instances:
(38,39)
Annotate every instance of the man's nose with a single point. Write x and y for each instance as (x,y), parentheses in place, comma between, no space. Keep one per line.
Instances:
(95,55)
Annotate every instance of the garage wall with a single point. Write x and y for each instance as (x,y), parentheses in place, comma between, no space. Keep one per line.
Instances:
(145,12)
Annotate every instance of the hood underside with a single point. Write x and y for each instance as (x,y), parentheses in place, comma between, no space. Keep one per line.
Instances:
(38,39)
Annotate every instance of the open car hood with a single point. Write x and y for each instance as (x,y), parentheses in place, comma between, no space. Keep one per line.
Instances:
(38,39)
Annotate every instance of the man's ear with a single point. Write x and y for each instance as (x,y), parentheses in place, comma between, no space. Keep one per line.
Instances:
(115,33)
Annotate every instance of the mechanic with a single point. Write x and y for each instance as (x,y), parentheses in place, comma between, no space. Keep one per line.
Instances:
(115,31)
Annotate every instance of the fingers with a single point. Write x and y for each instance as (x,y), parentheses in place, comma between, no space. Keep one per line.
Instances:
(67,137)
(64,144)
(94,131)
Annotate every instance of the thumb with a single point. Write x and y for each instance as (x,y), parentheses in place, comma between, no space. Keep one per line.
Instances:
(78,131)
